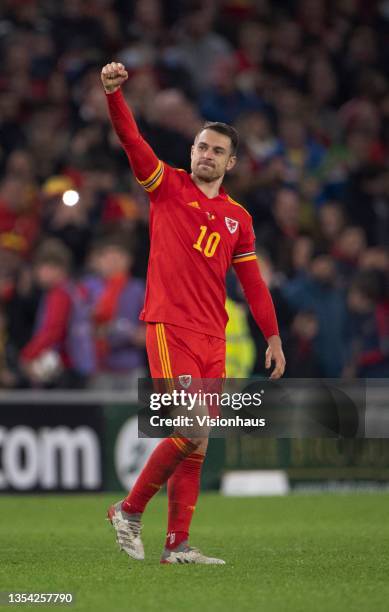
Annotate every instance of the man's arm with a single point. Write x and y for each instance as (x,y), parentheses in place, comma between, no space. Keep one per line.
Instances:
(262,308)
(148,169)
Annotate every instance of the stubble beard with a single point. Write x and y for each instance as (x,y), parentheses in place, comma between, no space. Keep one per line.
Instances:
(207,177)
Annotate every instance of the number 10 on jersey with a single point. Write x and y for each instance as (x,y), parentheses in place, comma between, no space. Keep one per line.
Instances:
(211,242)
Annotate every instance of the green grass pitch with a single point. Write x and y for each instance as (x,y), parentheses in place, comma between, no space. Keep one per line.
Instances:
(303,553)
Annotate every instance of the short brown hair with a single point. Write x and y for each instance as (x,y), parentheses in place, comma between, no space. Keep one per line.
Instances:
(121,241)
(226,130)
(53,252)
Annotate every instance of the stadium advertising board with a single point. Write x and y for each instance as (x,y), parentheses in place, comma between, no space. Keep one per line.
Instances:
(50,447)
(90,442)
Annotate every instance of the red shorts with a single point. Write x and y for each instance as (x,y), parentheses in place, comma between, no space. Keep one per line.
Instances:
(174,352)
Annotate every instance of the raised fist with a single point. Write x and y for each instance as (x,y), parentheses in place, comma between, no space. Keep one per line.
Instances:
(113,76)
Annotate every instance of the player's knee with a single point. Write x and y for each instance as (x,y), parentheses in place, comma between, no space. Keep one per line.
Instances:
(202,447)
(201,444)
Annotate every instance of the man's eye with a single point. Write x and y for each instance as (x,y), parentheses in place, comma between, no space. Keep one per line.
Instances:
(202,147)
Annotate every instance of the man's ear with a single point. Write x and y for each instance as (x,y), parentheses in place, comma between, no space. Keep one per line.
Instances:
(231,162)
(191,151)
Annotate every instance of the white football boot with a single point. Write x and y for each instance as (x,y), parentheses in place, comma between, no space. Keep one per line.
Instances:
(128,528)
(186,554)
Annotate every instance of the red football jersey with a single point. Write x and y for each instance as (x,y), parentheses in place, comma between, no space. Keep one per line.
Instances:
(194,240)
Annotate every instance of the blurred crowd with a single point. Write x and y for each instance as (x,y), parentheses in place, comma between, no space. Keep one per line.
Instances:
(307,85)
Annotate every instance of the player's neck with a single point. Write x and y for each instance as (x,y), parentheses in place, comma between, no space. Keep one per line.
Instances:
(211,190)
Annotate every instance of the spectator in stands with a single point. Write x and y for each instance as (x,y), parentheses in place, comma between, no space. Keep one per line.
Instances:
(46,358)
(258,140)
(69,224)
(252,40)
(119,335)
(322,86)
(302,358)
(277,238)
(171,124)
(332,221)
(224,100)
(368,301)
(318,293)
(302,153)
(19,215)
(198,46)
(347,251)
(302,253)
(21,307)
(286,54)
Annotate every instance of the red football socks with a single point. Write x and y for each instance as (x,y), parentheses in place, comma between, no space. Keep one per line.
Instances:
(183,490)
(159,467)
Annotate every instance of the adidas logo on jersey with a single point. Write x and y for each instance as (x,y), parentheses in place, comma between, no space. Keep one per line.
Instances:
(193,204)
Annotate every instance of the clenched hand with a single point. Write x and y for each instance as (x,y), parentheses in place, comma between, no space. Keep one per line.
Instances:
(113,76)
